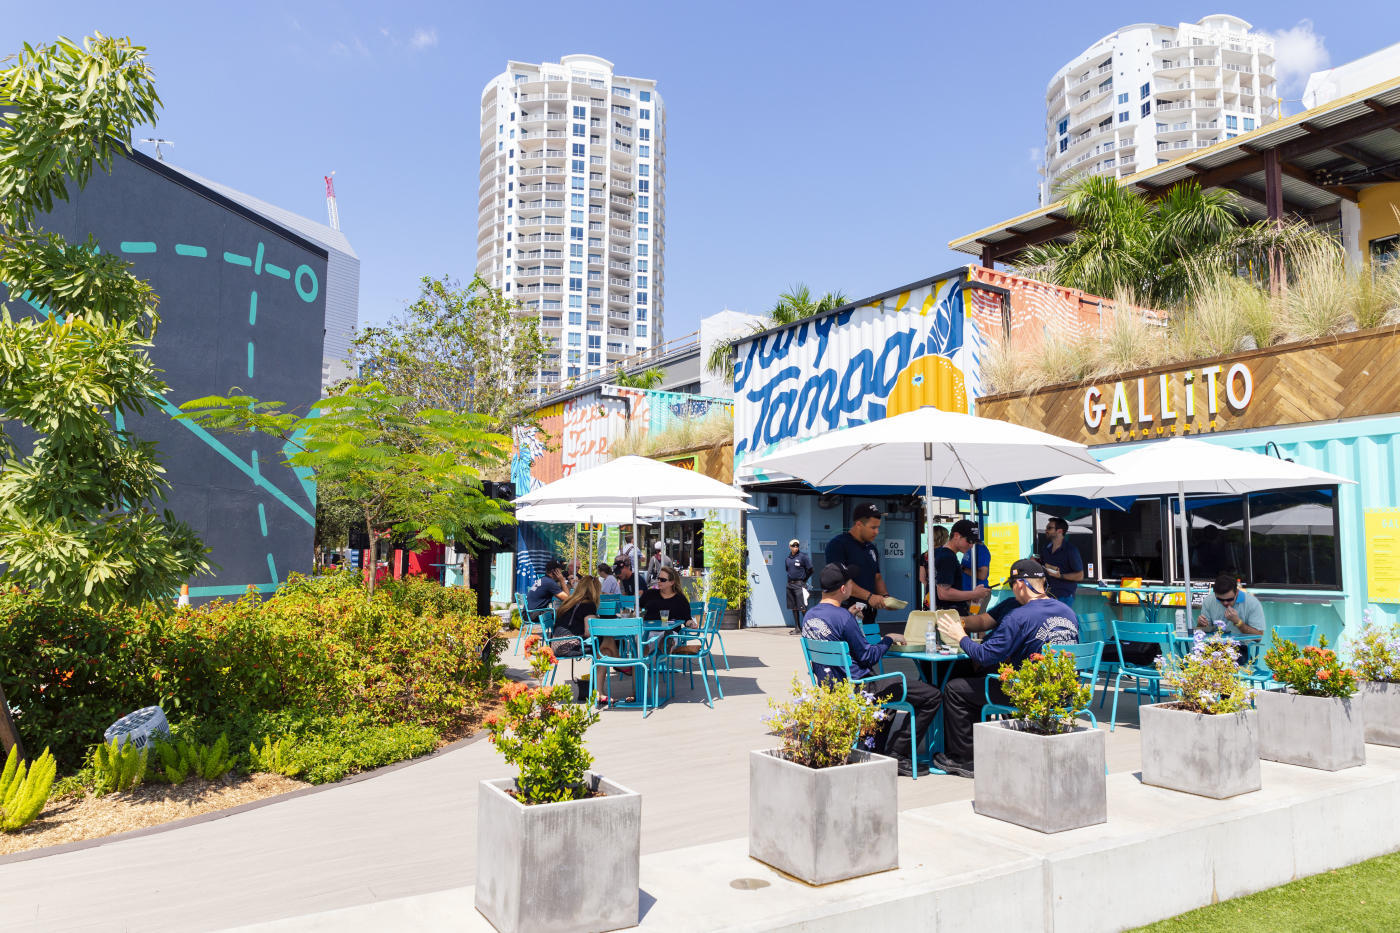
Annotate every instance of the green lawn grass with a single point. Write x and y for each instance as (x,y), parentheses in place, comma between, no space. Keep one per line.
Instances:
(1348,900)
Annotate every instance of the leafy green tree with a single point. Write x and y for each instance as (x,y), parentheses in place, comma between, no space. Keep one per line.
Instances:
(795,304)
(78,520)
(1157,250)
(408,471)
(646,379)
(467,350)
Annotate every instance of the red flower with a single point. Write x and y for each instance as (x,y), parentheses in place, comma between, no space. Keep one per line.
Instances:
(1324,674)
(531,642)
(1037,657)
(513,689)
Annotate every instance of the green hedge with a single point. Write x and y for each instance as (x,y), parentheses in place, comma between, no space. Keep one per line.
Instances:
(321,651)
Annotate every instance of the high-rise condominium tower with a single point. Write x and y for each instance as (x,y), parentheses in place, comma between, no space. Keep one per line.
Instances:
(573,207)
(1148,94)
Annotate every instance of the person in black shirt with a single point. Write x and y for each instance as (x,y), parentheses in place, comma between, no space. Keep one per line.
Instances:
(666,596)
(571,618)
(855,549)
(626,581)
(947,570)
(799,568)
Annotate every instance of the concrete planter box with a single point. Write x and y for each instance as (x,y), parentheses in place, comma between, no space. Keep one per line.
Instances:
(1048,783)
(824,824)
(1314,732)
(568,867)
(1381,702)
(1213,756)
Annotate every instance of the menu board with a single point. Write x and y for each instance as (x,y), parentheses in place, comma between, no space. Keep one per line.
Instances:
(1004,541)
(1383,555)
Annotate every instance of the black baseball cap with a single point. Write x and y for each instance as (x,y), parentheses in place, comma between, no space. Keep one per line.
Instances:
(965,528)
(1026,569)
(833,577)
(553,565)
(866,510)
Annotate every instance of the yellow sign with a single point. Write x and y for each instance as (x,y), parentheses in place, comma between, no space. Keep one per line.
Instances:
(1004,541)
(1383,555)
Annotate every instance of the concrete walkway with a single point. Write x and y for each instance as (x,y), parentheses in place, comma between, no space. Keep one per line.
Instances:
(412,831)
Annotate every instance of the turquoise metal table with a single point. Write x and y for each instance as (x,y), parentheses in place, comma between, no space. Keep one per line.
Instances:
(927,664)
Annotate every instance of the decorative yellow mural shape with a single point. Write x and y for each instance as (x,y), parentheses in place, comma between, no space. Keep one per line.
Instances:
(929,380)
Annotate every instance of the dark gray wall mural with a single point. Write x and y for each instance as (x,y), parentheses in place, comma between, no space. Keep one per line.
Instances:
(242,304)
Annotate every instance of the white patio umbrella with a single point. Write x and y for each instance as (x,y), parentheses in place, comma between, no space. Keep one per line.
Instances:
(573,514)
(634,483)
(1185,465)
(932,449)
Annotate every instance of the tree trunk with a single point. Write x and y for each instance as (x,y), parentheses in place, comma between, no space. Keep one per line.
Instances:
(373,554)
(9,735)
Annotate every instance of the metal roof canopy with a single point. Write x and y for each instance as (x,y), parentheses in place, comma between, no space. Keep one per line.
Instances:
(1308,164)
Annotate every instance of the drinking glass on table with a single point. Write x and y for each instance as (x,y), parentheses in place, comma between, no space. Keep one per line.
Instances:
(665,615)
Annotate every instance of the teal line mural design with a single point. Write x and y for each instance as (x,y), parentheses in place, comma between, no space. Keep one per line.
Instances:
(307,293)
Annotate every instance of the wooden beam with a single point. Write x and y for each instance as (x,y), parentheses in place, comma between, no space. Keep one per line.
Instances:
(989,255)
(9,735)
(1368,159)
(1299,173)
(1375,105)
(1006,249)
(1380,118)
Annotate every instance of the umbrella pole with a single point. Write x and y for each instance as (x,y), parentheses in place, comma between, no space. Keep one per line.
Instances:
(636,559)
(1185,551)
(928,521)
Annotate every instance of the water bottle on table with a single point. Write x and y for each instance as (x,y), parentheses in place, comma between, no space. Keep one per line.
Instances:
(930,636)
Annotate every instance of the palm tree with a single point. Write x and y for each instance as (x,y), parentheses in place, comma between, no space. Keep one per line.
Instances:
(795,304)
(646,379)
(1155,250)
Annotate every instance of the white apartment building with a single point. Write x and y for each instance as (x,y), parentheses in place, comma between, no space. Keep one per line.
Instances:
(572,208)
(1147,94)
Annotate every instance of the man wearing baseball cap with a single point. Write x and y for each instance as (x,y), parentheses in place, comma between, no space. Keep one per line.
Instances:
(1040,619)
(828,620)
(948,571)
(855,549)
(799,568)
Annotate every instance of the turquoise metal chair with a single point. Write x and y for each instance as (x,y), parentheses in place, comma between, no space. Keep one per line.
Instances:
(1260,675)
(688,647)
(837,654)
(608,605)
(1087,657)
(872,634)
(634,648)
(546,622)
(722,605)
(1161,634)
(697,611)
(527,621)
(1093,628)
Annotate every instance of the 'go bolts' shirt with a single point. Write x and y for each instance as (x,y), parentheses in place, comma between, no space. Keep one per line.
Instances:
(1024,631)
(833,623)
(863,560)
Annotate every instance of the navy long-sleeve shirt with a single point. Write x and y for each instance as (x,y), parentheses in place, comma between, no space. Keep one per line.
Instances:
(833,623)
(1024,631)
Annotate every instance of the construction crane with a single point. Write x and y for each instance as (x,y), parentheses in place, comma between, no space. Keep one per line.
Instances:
(331,210)
(160,156)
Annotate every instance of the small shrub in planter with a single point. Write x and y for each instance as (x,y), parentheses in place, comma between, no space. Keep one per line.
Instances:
(819,809)
(1376,656)
(1041,770)
(1206,742)
(1316,722)
(535,831)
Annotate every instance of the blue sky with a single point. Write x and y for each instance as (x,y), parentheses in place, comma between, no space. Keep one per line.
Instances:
(836,144)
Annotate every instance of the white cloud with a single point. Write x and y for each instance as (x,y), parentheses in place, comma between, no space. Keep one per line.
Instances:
(424,38)
(1299,52)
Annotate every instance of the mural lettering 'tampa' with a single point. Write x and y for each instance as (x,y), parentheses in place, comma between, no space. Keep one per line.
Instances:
(913,348)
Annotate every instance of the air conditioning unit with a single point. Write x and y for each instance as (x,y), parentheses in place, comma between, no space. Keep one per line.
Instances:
(138,728)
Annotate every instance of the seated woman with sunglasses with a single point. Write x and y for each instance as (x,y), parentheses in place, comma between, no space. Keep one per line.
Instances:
(667,596)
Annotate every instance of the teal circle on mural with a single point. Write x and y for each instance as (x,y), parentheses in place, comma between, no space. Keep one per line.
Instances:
(307,294)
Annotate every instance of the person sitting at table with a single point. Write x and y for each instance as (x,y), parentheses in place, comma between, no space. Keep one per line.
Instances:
(948,572)
(547,589)
(1231,610)
(829,621)
(626,582)
(571,618)
(607,580)
(1038,620)
(666,596)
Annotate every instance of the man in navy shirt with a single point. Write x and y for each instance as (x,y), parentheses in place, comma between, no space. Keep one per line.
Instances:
(855,550)
(1063,565)
(799,567)
(1039,620)
(547,589)
(828,620)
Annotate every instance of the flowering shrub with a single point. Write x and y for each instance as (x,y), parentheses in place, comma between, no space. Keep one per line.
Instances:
(1208,678)
(1313,671)
(1046,690)
(820,724)
(540,732)
(1375,653)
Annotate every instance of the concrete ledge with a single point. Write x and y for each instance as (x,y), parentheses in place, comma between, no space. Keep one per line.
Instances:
(1160,853)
